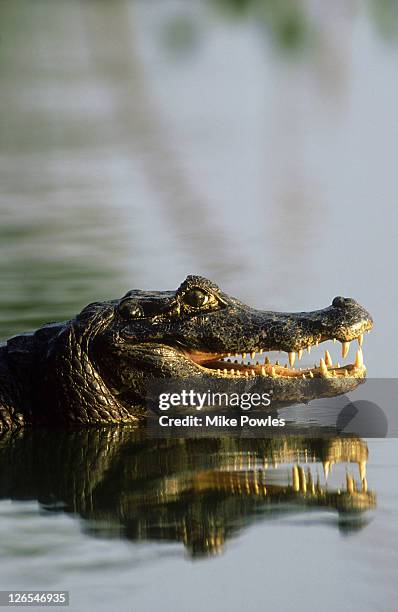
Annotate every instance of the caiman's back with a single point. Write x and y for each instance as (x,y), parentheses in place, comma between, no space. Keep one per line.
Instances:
(20,357)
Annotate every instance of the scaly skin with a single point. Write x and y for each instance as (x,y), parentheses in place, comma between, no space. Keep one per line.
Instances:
(99,366)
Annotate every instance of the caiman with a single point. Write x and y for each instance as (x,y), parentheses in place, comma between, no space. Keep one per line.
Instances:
(99,366)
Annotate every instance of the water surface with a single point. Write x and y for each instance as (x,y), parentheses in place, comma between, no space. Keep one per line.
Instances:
(249,142)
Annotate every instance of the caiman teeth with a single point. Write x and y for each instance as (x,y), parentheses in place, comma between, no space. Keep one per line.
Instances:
(359,358)
(345,347)
(323,368)
(233,365)
(360,340)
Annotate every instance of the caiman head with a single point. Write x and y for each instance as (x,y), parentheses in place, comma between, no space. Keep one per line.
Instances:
(200,331)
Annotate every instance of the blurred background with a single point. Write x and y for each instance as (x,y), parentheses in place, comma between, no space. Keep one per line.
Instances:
(251,141)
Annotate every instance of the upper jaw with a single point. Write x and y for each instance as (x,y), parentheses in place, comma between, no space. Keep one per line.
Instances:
(292,333)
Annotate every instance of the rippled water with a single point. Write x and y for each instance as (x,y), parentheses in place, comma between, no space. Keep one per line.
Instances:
(251,143)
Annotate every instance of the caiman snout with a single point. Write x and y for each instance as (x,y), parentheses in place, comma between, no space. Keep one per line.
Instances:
(349,319)
(254,333)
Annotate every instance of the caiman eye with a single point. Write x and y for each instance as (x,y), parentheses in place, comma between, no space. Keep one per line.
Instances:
(196,298)
(130,309)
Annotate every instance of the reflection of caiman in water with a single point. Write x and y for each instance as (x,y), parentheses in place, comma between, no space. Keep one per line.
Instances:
(98,367)
(197,491)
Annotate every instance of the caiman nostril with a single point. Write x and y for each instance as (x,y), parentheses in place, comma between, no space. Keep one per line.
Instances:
(340,301)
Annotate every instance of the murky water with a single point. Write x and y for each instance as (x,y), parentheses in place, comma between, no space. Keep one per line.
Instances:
(249,142)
